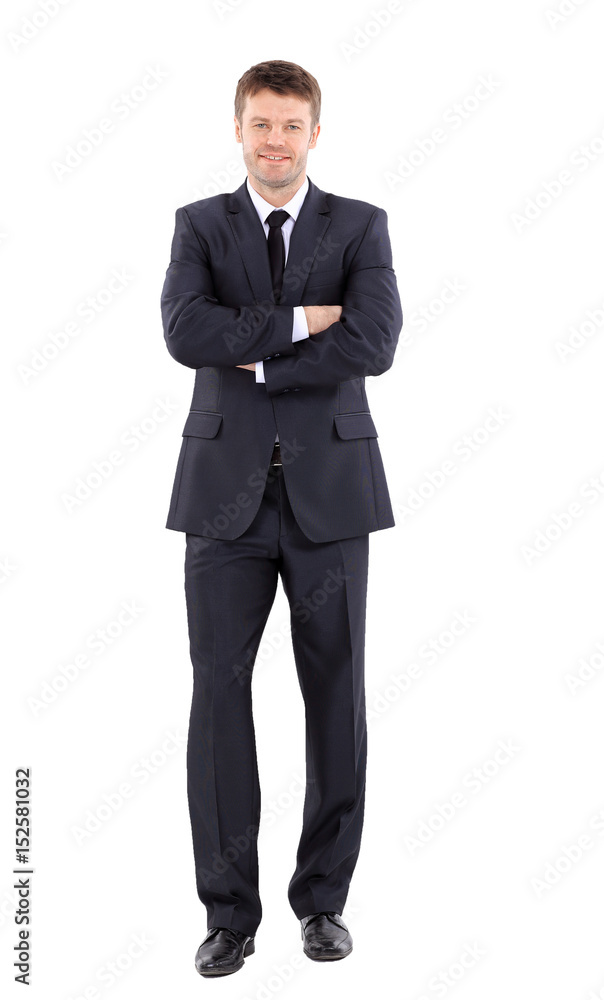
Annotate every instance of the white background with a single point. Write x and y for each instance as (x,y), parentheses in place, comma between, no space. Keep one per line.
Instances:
(480,879)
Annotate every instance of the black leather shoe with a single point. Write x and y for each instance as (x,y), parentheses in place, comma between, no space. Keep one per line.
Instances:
(222,951)
(325,936)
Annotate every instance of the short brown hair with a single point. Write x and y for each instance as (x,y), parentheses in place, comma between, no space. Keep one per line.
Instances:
(283,78)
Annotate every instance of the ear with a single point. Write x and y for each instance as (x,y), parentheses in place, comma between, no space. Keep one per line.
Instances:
(237,130)
(314,137)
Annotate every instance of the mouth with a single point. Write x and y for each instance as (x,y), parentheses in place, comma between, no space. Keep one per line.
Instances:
(274,159)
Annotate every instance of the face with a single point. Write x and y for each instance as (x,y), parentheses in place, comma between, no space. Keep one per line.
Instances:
(276,125)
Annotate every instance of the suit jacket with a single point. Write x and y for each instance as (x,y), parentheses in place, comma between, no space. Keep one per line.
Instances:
(219,311)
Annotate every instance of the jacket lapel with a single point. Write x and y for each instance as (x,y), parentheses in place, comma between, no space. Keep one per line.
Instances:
(309,230)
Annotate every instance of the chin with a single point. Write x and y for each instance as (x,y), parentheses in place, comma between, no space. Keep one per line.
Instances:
(274,181)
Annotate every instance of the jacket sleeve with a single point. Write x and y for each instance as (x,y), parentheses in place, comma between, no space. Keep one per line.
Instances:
(364,339)
(198,330)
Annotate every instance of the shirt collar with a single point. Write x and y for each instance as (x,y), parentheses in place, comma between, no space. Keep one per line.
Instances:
(264,208)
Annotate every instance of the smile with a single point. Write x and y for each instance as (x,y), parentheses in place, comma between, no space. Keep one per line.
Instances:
(274,158)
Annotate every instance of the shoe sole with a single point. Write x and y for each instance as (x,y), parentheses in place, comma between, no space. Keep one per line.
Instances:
(326,958)
(249,949)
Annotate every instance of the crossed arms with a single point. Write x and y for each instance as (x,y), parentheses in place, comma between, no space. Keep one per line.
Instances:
(355,339)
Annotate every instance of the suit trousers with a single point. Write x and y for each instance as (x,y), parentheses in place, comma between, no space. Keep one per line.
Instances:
(230,587)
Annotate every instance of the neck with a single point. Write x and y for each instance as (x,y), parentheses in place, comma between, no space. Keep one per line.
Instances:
(277,197)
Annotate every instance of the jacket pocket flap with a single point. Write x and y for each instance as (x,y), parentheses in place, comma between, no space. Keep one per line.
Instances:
(355,425)
(202,423)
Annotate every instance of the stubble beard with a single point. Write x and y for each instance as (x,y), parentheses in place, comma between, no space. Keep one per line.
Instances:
(276,182)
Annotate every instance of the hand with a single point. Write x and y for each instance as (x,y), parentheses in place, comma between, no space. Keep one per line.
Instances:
(320,317)
(252,366)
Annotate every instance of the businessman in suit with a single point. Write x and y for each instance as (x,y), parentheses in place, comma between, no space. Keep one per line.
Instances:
(282,297)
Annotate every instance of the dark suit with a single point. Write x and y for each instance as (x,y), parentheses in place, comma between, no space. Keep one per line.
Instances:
(306,521)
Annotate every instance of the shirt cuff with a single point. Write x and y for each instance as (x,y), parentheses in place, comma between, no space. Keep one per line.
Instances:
(300,330)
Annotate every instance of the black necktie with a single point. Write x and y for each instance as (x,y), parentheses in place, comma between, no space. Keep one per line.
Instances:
(276,248)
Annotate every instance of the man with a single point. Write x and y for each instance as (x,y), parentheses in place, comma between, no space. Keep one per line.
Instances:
(282,298)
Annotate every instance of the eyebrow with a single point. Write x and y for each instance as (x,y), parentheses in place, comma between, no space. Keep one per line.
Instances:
(290,121)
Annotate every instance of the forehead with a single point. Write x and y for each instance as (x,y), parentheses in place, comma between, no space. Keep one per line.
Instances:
(266,104)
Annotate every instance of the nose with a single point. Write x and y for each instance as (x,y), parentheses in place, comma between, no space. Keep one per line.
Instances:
(274,140)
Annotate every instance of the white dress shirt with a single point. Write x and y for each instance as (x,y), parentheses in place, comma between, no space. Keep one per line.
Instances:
(264,209)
